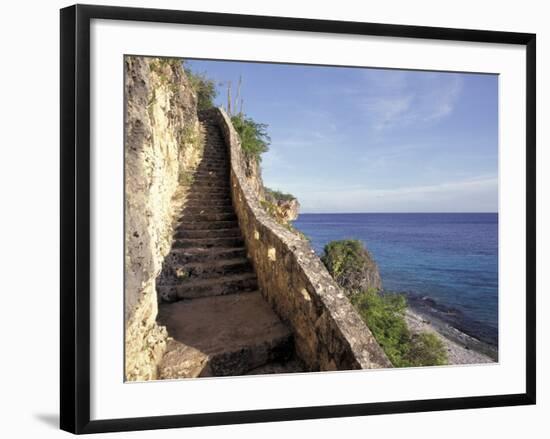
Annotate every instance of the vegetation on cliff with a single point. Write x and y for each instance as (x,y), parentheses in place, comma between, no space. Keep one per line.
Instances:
(352,267)
(204,88)
(384,314)
(278,196)
(254,138)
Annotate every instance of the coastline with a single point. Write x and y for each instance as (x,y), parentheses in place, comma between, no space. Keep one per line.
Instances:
(469,337)
(461,348)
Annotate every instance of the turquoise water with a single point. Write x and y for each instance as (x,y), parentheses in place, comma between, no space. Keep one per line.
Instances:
(447,261)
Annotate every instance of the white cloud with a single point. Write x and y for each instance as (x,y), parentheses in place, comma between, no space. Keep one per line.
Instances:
(398,99)
(387,110)
(443,99)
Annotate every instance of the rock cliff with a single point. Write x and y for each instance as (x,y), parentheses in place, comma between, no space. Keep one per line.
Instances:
(162,149)
(285,206)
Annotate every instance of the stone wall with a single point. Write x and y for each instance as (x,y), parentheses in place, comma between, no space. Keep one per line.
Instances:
(329,333)
(162,148)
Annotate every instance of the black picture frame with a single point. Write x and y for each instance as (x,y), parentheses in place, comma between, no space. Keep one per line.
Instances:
(75,217)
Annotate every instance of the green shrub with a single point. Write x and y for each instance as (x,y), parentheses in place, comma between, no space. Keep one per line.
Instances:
(426,349)
(384,315)
(204,88)
(351,265)
(254,138)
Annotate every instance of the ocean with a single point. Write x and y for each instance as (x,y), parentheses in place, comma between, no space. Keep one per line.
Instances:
(447,262)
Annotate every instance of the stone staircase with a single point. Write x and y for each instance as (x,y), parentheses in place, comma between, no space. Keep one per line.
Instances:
(217,320)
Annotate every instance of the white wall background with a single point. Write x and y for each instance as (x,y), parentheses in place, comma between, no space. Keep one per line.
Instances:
(29,248)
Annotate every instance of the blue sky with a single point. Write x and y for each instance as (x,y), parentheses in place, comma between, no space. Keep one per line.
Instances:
(372,140)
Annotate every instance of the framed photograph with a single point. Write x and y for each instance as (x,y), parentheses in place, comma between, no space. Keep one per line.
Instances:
(273,218)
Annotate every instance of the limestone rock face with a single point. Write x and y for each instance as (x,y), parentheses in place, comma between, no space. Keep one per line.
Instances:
(283,207)
(253,174)
(288,209)
(162,149)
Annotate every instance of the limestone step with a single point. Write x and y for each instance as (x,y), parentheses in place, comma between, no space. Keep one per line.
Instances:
(194,210)
(216,286)
(212,128)
(219,154)
(212,174)
(213,190)
(187,255)
(225,180)
(207,216)
(220,170)
(222,336)
(215,198)
(211,156)
(206,225)
(204,270)
(216,159)
(215,154)
(212,161)
(216,188)
(214,195)
(212,184)
(217,151)
(198,207)
(208,242)
(206,203)
(211,177)
(215,148)
(234,232)
(213,167)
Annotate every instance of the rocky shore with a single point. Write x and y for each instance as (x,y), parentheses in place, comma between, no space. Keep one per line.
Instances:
(461,348)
